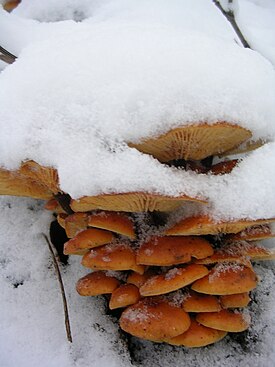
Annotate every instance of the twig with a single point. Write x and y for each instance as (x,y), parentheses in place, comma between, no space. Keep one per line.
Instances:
(231,18)
(58,273)
(6,56)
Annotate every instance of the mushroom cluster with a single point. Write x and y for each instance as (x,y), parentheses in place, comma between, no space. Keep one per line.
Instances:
(184,283)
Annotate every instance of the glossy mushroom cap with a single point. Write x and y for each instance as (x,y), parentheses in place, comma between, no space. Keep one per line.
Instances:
(196,302)
(96,283)
(115,222)
(225,320)
(172,280)
(166,251)
(114,256)
(198,336)
(194,142)
(226,279)
(123,296)
(130,202)
(87,239)
(235,300)
(154,319)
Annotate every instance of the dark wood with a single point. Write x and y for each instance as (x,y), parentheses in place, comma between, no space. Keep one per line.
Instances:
(231,18)
(6,56)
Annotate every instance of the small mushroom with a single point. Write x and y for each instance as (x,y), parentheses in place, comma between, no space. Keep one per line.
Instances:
(114,256)
(235,300)
(198,336)
(123,296)
(87,239)
(196,302)
(166,251)
(96,283)
(154,319)
(225,320)
(172,280)
(226,279)
(115,222)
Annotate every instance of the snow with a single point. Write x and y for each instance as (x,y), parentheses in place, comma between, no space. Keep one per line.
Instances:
(39,105)
(60,111)
(256,19)
(32,328)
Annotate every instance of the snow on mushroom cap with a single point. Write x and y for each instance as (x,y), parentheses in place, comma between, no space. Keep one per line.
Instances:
(74,103)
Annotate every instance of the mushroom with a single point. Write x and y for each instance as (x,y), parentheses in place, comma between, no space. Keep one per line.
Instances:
(86,240)
(196,302)
(114,256)
(194,142)
(240,252)
(225,320)
(253,233)
(198,336)
(131,202)
(235,300)
(96,283)
(154,319)
(139,279)
(204,224)
(47,176)
(75,223)
(226,279)
(123,296)
(172,280)
(115,222)
(166,251)
(13,183)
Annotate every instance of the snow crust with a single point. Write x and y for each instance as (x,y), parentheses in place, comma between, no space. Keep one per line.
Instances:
(256,19)
(74,100)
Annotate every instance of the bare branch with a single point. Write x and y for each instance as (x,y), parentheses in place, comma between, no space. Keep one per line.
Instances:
(6,56)
(58,273)
(231,18)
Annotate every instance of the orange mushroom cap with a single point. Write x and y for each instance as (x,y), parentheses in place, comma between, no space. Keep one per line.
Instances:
(204,224)
(198,336)
(87,239)
(115,222)
(114,256)
(235,300)
(123,296)
(154,319)
(226,279)
(196,302)
(225,320)
(166,251)
(172,280)
(96,283)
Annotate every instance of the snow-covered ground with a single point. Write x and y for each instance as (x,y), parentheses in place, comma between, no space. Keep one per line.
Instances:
(32,331)
(49,38)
